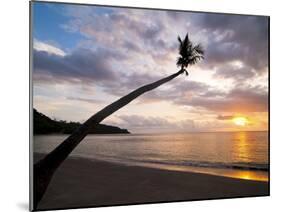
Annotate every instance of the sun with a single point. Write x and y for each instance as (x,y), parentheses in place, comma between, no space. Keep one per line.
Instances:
(240,121)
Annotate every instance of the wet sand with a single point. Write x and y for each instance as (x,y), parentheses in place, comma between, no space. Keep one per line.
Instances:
(81,182)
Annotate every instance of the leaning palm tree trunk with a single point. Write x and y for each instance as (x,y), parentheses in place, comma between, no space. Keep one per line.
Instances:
(46,167)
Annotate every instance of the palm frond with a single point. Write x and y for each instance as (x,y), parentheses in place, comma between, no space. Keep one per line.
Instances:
(193,60)
(198,49)
(180,43)
(186,40)
(189,54)
(179,39)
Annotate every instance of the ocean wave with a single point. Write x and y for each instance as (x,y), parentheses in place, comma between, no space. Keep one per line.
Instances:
(206,164)
(200,164)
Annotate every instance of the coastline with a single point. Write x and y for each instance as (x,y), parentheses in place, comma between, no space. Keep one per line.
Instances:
(89,183)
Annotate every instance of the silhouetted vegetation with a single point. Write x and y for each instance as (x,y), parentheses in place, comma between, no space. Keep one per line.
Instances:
(190,54)
(45,125)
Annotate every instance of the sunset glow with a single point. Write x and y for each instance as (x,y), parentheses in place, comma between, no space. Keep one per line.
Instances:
(240,121)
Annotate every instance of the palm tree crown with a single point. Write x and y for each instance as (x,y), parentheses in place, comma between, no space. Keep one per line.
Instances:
(189,53)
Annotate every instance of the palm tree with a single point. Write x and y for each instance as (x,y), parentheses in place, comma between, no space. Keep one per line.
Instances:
(46,167)
(189,54)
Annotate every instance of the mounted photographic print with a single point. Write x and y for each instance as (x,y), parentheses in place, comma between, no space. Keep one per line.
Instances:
(136,105)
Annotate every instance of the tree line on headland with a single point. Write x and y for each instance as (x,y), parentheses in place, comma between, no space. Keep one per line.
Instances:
(42,124)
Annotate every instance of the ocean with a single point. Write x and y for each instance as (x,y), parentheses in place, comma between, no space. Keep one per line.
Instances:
(241,155)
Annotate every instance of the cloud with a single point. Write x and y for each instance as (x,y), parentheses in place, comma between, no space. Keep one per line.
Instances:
(91,101)
(147,122)
(82,65)
(232,71)
(152,35)
(136,123)
(119,27)
(145,33)
(129,82)
(197,94)
(140,123)
(236,37)
(42,46)
(248,99)
(181,91)
(220,117)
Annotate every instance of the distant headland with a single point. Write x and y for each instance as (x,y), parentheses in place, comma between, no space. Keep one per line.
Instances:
(44,125)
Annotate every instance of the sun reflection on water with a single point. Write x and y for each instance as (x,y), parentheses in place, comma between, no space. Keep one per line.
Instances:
(240,155)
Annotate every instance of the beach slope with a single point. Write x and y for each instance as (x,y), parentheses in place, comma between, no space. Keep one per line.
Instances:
(81,182)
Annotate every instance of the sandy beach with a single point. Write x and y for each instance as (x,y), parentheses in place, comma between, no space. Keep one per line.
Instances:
(81,182)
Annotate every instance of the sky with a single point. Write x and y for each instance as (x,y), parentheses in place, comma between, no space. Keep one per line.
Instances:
(85,57)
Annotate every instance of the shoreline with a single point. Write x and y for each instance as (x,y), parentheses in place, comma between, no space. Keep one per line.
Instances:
(243,174)
(81,182)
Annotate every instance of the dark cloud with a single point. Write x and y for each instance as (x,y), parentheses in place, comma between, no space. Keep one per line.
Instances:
(237,100)
(92,101)
(233,72)
(183,91)
(147,30)
(131,46)
(211,92)
(220,117)
(176,15)
(128,82)
(82,65)
(236,37)
(226,39)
